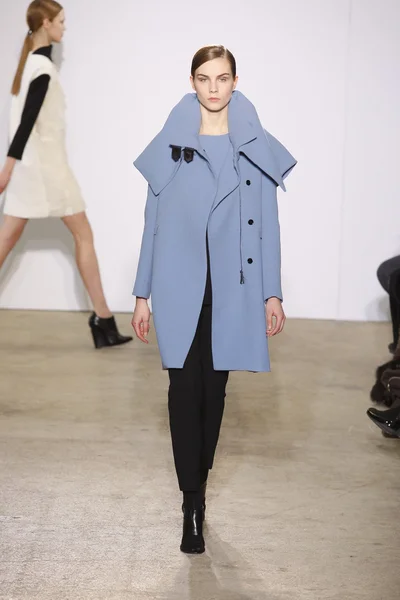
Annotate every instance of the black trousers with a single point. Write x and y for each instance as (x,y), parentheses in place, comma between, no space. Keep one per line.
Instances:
(389,278)
(196,401)
(386,270)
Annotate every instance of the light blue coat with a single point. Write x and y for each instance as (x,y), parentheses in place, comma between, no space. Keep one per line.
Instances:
(184,202)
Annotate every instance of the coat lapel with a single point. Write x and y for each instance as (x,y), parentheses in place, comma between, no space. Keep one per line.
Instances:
(247,137)
(156,164)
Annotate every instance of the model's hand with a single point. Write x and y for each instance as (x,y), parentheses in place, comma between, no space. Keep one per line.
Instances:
(141,320)
(275,316)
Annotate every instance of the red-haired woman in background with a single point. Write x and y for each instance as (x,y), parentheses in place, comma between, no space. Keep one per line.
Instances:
(36,173)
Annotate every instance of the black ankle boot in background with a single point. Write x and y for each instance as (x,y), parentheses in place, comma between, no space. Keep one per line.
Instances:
(105,332)
(387,420)
(193,516)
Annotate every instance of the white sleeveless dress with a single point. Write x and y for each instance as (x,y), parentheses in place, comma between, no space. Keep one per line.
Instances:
(42,184)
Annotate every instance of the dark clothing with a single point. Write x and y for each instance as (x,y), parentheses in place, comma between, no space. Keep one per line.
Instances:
(45,51)
(208,292)
(386,269)
(394,299)
(34,101)
(196,401)
(389,278)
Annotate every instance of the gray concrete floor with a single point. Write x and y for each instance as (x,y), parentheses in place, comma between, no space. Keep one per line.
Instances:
(303,502)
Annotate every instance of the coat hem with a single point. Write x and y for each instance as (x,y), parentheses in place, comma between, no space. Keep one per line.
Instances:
(231,370)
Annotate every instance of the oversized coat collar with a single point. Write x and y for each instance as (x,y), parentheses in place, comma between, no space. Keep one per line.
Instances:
(182,129)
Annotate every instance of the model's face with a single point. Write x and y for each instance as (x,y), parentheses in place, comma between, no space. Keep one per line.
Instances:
(55,28)
(214,84)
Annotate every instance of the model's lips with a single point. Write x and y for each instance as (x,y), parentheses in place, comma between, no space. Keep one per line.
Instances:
(214,99)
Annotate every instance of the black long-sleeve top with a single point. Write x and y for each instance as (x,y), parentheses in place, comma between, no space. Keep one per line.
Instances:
(34,101)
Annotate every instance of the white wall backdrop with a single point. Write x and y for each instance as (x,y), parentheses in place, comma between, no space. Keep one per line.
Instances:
(324,76)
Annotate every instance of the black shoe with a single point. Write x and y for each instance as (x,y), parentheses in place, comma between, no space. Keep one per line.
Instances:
(192,539)
(387,420)
(203,491)
(105,332)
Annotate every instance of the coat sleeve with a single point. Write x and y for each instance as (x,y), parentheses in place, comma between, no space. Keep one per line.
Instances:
(270,242)
(142,287)
(271,239)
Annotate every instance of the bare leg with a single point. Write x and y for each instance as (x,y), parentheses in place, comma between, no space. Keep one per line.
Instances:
(10,231)
(86,261)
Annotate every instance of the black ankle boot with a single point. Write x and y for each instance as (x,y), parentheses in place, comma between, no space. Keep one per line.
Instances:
(203,491)
(192,538)
(105,332)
